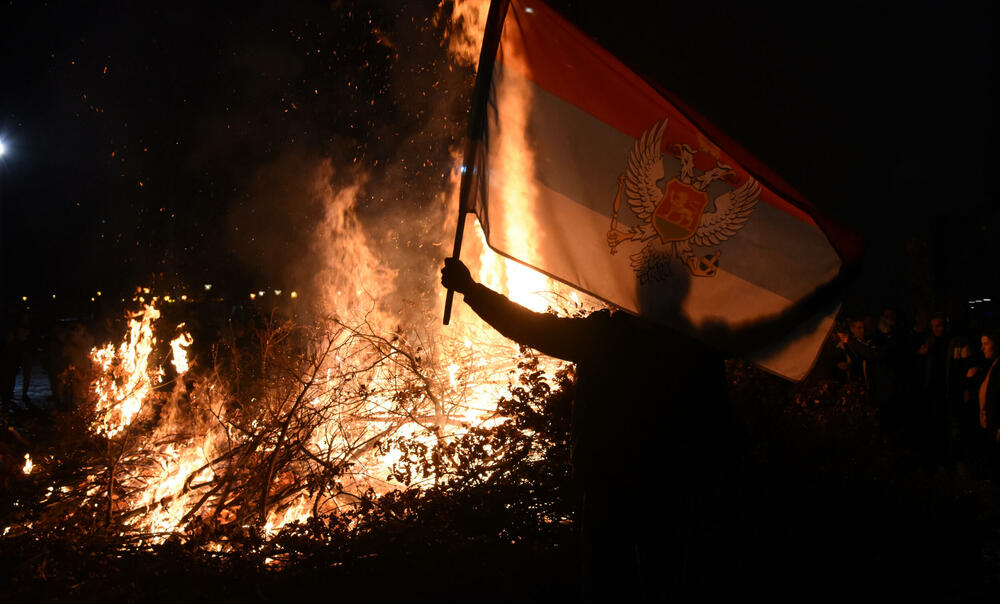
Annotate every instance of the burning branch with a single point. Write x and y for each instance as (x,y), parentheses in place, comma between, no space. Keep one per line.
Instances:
(286,422)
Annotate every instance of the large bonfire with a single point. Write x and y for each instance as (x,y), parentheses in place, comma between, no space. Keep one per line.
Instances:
(311,414)
(306,419)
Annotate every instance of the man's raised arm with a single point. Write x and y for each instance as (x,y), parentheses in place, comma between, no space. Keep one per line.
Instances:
(555,336)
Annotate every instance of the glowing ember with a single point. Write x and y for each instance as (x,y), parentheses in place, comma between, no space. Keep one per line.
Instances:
(28,466)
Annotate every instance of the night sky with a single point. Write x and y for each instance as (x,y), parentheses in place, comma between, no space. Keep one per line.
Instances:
(169,145)
(174,145)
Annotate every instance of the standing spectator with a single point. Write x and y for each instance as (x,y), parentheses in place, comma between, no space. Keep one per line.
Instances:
(78,347)
(24,335)
(57,364)
(934,421)
(861,352)
(911,388)
(890,362)
(9,368)
(963,409)
(835,361)
(18,356)
(985,381)
(935,353)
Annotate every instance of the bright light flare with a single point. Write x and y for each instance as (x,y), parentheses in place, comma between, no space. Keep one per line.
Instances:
(3,149)
(28,466)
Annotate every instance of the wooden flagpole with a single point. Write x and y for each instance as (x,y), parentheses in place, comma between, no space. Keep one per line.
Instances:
(477,123)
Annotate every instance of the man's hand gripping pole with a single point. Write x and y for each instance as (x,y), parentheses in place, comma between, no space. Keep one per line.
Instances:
(456,251)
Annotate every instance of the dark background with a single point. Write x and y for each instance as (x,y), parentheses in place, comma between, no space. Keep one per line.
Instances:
(167,145)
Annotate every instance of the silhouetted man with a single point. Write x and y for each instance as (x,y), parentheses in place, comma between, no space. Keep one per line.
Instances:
(650,428)
(652,436)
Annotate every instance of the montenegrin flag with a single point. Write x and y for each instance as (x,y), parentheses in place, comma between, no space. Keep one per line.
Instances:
(596,177)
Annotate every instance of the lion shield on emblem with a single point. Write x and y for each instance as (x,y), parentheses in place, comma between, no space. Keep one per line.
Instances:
(674,217)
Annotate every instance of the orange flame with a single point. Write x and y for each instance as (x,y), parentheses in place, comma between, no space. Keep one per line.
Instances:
(124,380)
(468,24)
(178,349)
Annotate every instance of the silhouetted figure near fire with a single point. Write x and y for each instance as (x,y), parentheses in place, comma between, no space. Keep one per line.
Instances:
(933,353)
(18,356)
(652,437)
(860,353)
(984,383)
(890,370)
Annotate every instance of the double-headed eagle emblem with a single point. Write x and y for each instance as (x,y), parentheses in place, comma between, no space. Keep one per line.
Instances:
(674,217)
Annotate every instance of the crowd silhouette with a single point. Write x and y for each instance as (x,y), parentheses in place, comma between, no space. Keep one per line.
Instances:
(929,381)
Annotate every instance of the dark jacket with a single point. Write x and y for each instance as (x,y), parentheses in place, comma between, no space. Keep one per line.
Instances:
(992,393)
(650,400)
